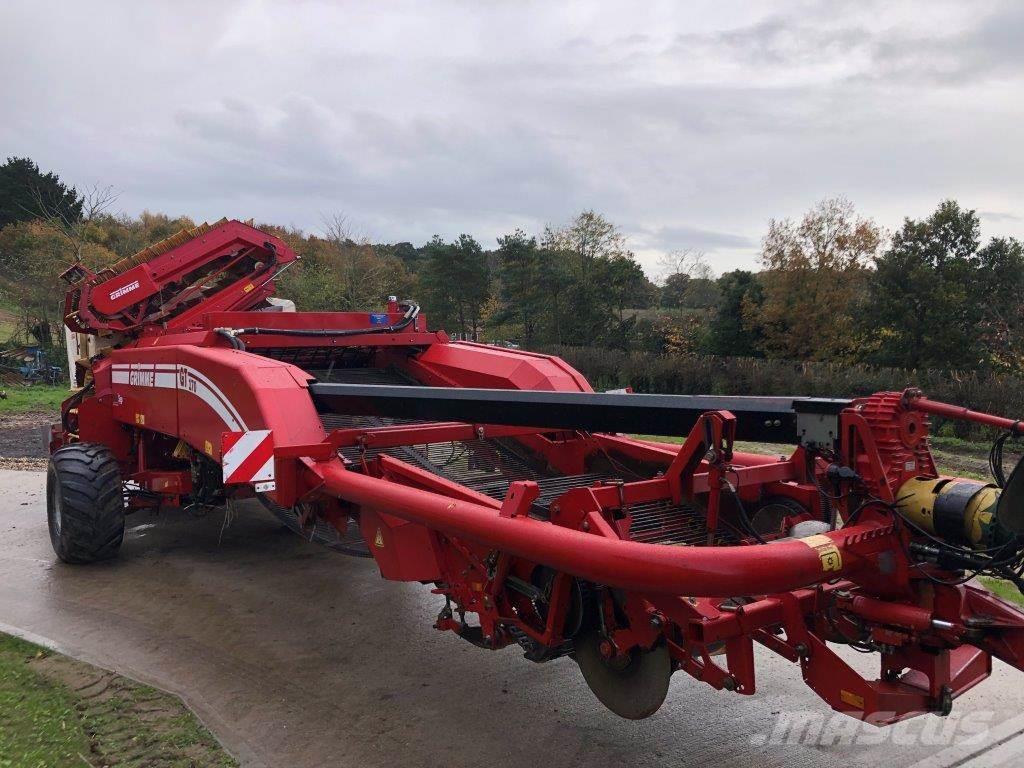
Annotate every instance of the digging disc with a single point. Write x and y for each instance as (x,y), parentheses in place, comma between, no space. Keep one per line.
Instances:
(632,688)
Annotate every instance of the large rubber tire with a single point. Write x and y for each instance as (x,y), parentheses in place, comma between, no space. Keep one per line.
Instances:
(84,503)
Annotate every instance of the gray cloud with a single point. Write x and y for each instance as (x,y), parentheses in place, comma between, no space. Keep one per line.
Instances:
(689,126)
(999,216)
(682,237)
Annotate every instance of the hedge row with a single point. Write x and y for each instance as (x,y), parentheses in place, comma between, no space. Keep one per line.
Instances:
(690,375)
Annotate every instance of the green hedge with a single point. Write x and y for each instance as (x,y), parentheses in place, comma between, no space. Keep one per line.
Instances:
(690,375)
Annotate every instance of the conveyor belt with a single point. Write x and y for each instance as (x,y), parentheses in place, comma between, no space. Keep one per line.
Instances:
(349,543)
(360,376)
(662,522)
(489,466)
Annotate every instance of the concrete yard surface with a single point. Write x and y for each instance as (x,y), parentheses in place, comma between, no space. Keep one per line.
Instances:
(296,656)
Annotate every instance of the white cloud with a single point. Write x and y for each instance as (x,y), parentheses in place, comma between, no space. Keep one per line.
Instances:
(688,124)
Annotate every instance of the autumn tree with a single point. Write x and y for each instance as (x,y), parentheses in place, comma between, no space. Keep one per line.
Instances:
(588,240)
(32,255)
(339,271)
(814,272)
(366,278)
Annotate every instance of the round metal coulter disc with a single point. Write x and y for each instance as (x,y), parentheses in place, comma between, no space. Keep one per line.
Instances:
(634,687)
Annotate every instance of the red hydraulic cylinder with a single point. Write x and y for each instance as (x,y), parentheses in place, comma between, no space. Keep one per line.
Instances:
(703,571)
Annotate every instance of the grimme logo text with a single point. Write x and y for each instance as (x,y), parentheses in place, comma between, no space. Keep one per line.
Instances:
(141,378)
(124,289)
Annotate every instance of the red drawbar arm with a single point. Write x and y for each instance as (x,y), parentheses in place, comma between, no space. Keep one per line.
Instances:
(919,403)
(700,571)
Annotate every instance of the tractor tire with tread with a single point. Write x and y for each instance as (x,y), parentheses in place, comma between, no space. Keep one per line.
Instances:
(84,503)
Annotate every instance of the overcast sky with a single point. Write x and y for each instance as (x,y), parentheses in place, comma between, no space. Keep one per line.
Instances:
(688,124)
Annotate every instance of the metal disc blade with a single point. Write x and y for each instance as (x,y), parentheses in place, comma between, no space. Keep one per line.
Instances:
(633,690)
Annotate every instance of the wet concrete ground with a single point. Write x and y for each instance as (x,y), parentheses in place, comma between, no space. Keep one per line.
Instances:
(296,656)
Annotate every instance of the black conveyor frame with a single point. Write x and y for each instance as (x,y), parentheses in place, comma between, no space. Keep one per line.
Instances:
(761,419)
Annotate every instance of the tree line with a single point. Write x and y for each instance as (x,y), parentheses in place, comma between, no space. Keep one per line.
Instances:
(833,285)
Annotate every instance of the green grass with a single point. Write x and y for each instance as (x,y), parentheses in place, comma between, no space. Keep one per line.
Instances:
(1003,589)
(953,443)
(39,725)
(50,719)
(28,399)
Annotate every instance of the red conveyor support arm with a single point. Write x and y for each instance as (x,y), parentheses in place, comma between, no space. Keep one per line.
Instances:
(702,571)
(917,402)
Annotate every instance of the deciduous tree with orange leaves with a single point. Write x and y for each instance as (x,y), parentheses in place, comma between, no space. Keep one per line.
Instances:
(815,270)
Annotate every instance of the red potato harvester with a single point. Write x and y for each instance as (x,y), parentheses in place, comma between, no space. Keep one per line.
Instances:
(503,480)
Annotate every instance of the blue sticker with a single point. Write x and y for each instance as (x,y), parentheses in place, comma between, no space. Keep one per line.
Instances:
(378,318)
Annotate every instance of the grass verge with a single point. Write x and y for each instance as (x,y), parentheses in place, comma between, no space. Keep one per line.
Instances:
(56,712)
(28,399)
(1003,589)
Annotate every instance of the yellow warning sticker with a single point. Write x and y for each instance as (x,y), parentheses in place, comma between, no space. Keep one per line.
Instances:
(378,540)
(208,448)
(248,288)
(140,418)
(851,698)
(827,550)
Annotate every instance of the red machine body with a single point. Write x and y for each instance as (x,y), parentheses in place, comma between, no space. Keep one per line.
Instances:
(635,558)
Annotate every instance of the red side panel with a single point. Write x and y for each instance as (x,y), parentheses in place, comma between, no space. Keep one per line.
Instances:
(464,364)
(198,394)
(144,389)
(123,291)
(404,551)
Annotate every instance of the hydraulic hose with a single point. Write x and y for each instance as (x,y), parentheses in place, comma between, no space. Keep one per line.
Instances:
(407,319)
(234,341)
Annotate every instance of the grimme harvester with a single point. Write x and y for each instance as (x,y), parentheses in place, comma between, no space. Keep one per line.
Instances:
(503,480)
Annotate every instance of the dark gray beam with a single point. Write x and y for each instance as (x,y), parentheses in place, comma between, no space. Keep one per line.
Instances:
(761,419)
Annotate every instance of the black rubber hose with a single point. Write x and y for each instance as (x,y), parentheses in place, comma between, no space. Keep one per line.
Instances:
(236,343)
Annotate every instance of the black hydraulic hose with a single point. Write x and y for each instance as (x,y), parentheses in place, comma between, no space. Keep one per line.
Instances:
(234,341)
(410,317)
